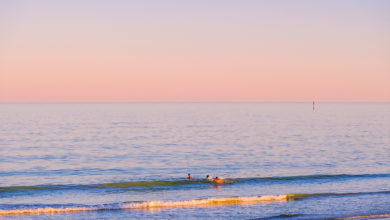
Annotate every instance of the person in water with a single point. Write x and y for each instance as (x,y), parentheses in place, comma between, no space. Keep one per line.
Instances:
(218,180)
(209,178)
(189,176)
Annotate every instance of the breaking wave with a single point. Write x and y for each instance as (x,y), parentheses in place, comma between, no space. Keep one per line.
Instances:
(177,204)
(149,205)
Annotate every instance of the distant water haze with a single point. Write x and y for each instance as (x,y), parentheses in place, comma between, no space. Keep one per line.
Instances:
(201,51)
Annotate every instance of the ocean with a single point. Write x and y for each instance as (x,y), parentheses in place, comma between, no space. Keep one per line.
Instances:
(131,160)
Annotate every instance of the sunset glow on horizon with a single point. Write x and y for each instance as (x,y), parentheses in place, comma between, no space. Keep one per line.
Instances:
(199,51)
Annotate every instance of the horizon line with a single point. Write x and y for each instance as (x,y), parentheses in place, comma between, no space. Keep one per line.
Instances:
(192,102)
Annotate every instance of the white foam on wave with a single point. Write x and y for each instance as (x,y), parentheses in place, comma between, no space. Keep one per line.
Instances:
(150,205)
(46,210)
(205,202)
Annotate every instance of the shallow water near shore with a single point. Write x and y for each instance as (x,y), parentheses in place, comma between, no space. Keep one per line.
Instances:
(130,160)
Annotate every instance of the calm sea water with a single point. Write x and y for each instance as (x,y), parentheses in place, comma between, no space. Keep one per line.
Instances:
(117,161)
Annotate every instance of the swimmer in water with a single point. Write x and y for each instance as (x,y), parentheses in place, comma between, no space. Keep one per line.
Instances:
(209,178)
(218,180)
(189,176)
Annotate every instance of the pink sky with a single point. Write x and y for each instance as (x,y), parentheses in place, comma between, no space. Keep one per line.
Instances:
(177,51)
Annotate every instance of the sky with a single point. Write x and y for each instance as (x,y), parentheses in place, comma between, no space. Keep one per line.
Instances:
(194,51)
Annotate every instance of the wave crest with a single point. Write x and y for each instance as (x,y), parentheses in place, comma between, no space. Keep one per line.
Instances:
(206,202)
(164,184)
(151,205)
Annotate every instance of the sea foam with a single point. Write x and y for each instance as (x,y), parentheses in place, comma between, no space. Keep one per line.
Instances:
(151,205)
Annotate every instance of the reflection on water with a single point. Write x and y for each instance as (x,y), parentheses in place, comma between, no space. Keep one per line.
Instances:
(93,154)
